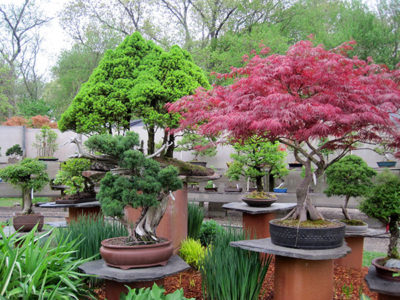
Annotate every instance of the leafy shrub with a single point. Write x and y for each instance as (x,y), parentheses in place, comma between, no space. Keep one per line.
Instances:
(195,219)
(154,293)
(208,231)
(232,273)
(90,231)
(37,270)
(15,150)
(192,252)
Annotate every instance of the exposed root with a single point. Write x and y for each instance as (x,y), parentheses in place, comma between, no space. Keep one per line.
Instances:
(305,211)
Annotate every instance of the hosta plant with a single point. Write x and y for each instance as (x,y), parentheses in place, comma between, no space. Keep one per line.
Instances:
(154,293)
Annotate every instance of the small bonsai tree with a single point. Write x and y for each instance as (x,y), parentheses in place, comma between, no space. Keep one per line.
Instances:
(28,174)
(46,142)
(70,175)
(14,151)
(349,177)
(200,145)
(383,203)
(137,181)
(256,157)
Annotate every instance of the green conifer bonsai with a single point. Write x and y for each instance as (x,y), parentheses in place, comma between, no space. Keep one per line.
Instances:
(137,181)
(349,177)
(27,174)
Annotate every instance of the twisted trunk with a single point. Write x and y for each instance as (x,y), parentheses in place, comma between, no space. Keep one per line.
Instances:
(393,252)
(344,208)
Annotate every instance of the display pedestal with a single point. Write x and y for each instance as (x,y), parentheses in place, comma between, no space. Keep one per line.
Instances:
(386,289)
(77,209)
(299,274)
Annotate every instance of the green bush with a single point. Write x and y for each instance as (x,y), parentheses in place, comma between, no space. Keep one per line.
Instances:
(90,231)
(154,293)
(232,273)
(192,252)
(195,219)
(37,270)
(208,231)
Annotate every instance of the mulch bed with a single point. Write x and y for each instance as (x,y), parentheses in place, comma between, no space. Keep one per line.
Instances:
(349,284)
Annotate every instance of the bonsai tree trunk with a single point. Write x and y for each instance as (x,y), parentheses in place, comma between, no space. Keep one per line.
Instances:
(344,208)
(26,201)
(394,237)
(171,148)
(150,143)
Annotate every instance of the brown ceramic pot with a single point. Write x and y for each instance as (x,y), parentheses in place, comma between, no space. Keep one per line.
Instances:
(384,272)
(118,255)
(26,223)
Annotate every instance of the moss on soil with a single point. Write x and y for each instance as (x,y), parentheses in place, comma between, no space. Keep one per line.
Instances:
(185,168)
(307,224)
(353,222)
(260,195)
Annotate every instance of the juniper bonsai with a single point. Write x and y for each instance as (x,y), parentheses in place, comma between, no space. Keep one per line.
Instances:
(137,181)
(27,174)
(349,177)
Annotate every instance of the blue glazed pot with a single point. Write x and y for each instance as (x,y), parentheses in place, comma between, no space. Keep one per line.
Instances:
(386,164)
(284,190)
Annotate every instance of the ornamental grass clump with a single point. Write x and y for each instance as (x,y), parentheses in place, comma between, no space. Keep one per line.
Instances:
(195,219)
(137,181)
(232,273)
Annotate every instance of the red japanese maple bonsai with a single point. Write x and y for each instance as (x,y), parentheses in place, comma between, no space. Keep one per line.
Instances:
(299,98)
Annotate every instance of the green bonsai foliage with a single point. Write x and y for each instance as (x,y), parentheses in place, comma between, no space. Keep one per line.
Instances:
(70,175)
(14,151)
(383,203)
(137,78)
(256,157)
(349,177)
(139,182)
(200,145)
(28,174)
(46,142)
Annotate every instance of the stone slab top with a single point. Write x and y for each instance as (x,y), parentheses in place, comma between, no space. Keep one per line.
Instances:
(266,246)
(380,285)
(81,205)
(370,232)
(101,270)
(243,207)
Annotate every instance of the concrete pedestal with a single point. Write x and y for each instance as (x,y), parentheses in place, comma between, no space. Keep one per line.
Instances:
(299,274)
(256,219)
(386,289)
(117,279)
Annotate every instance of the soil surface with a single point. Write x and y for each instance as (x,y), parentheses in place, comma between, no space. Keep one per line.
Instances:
(349,284)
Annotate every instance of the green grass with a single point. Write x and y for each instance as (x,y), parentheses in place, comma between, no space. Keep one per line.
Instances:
(8,202)
(368,256)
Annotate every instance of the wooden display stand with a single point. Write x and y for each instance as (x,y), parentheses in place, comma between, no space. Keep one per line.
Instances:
(299,274)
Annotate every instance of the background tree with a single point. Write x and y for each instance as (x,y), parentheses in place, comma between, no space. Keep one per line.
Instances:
(349,177)
(200,145)
(299,98)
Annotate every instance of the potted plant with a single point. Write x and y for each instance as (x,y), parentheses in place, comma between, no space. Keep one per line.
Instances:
(386,152)
(383,203)
(193,186)
(349,177)
(78,187)
(199,145)
(28,175)
(210,187)
(139,182)
(256,157)
(46,144)
(297,99)
(14,153)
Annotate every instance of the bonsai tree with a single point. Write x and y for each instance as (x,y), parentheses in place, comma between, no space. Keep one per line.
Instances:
(28,174)
(349,177)
(383,203)
(297,99)
(14,151)
(137,78)
(70,175)
(46,142)
(256,157)
(200,145)
(137,181)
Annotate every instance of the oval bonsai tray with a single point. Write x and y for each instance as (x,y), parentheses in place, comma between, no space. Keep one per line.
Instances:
(258,202)
(283,190)
(386,164)
(307,238)
(384,272)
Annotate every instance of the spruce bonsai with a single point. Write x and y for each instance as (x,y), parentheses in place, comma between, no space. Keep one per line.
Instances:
(14,152)
(137,181)
(28,174)
(349,177)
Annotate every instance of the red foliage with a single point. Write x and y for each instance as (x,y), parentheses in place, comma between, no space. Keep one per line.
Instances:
(16,121)
(35,122)
(307,94)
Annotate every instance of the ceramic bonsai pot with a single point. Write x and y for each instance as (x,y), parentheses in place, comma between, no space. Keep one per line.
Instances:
(118,255)
(213,189)
(282,190)
(386,164)
(295,165)
(307,238)
(25,223)
(355,226)
(199,163)
(259,202)
(233,189)
(385,272)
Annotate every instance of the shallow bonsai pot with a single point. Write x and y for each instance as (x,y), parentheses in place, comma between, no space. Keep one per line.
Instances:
(307,238)
(48,158)
(283,190)
(355,229)
(259,202)
(26,223)
(199,163)
(295,165)
(232,189)
(386,164)
(194,188)
(214,189)
(384,272)
(118,255)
